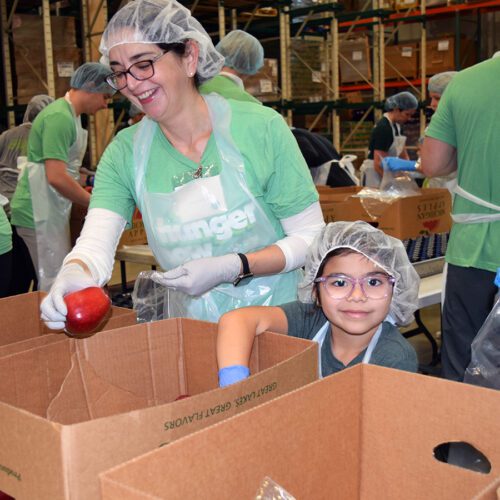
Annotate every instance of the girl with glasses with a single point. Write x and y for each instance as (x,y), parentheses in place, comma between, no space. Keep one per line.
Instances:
(226,197)
(358,285)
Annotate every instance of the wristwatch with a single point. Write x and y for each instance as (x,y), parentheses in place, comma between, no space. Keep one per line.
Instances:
(245,276)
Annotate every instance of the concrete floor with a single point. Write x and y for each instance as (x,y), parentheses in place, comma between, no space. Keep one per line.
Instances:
(430,317)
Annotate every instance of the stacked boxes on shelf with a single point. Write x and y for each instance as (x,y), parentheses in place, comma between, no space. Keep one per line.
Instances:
(27,31)
(308,70)
(354,60)
(264,84)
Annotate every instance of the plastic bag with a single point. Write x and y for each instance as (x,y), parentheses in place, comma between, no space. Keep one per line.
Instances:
(484,368)
(150,299)
(270,490)
(399,184)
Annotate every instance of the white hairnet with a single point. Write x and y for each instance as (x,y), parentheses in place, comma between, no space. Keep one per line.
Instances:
(36,104)
(161,21)
(440,81)
(383,250)
(91,77)
(402,101)
(242,52)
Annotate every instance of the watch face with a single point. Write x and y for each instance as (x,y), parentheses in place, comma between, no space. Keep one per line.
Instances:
(243,279)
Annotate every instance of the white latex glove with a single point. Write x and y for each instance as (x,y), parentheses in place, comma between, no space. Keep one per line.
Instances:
(70,278)
(198,276)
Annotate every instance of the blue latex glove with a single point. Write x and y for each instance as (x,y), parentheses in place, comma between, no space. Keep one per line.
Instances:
(232,374)
(396,164)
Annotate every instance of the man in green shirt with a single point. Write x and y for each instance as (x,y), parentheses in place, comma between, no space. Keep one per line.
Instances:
(243,55)
(49,183)
(464,136)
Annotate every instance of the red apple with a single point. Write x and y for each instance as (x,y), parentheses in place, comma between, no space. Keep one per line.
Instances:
(86,310)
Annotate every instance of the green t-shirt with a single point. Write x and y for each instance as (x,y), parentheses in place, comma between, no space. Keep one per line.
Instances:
(275,170)
(52,134)
(392,349)
(225,87)
(468,118)
(5,233)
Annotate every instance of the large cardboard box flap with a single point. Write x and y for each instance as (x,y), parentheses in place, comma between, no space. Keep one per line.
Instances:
(23,329)
(74,408)
(365,433)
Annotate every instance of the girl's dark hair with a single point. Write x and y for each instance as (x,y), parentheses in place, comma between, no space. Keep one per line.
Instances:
(179,49)
(334,253)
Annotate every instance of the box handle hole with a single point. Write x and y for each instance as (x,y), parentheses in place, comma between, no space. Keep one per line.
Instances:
(462,454)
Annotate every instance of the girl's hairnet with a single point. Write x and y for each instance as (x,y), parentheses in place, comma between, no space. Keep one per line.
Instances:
(161,21)
(36,104)
(383,250)
(439,82)
(402,101)
(242,52)
(91,77)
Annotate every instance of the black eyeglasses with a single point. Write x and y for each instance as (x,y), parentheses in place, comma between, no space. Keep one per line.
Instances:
(141,70)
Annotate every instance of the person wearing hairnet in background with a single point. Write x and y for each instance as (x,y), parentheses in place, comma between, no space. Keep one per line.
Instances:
(226,198)
(358,284)
(243,55)
(48,184)
(13,145)
(436,86)
(387,138)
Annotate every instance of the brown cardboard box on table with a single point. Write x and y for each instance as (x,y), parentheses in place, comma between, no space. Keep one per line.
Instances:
(404,218)
(73,409)
(135,235)
(365,433)
(23,329)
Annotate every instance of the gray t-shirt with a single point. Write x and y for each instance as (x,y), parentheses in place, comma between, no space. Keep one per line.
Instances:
(392,349)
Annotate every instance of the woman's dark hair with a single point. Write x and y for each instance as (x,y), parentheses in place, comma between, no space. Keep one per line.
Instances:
(334,253)
(179,49)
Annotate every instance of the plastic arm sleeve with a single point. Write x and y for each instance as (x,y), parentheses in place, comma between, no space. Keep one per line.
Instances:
(97,243)
(300,230)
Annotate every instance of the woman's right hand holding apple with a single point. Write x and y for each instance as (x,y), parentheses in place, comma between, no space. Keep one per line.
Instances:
(71,277)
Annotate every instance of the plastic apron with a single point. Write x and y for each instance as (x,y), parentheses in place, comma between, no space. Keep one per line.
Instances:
(51,210)
(320,339)
(369,176)
(207,217)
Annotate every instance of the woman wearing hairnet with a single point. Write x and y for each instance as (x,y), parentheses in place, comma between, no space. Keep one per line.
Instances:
(243,55)
(358,283)
(48,184)
(226,198)
(436,86)
(387,138)
(19,273)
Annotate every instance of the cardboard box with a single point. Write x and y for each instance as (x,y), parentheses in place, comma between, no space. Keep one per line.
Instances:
(72,409)
(407,217)
(264,84)
(23,329)
(365,433)
(354,59)
(401,60)
(440,54)
(135,235)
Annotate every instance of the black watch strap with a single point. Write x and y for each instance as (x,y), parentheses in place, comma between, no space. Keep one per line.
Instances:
(244,262)
(245,274)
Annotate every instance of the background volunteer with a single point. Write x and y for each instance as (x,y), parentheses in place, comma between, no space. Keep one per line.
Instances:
(243,55)
(220,183)
(387,138)
(5,250)
(13,145)
(49,183)
(464,136)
